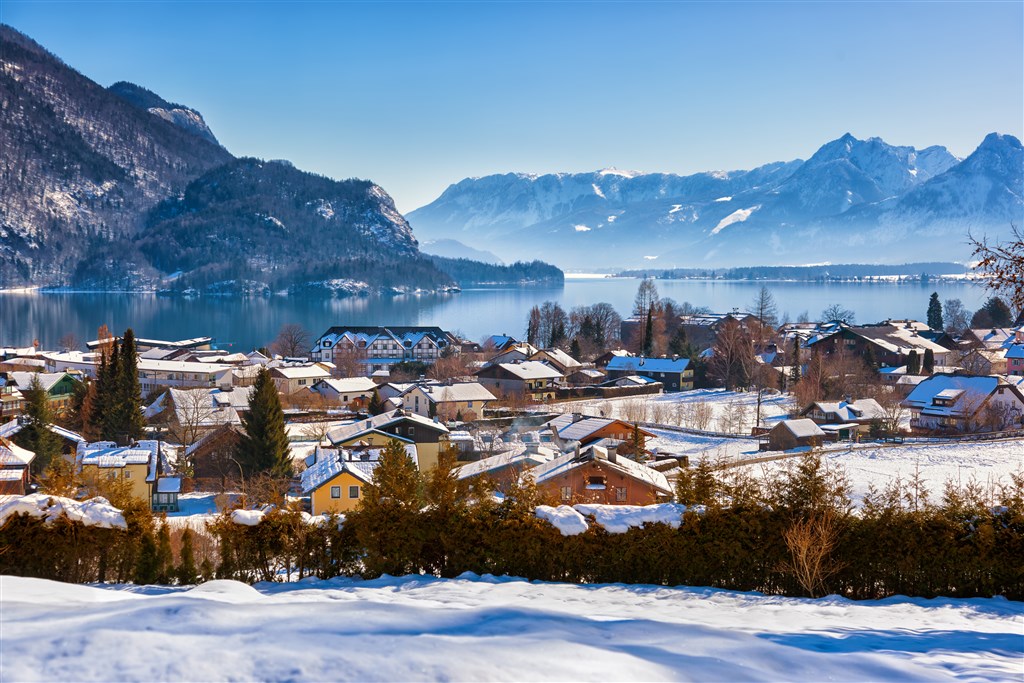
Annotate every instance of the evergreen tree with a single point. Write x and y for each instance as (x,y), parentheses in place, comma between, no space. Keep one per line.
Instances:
(103,408)
(386,520)
(679,345)
(870,359)
(574,349)
(929,362)
(648,346)
(127,423)
(794,370)
(36,435)
(164,556)
(187,574)
(263,447)
(913,363)
(533,326)
(557,333)
(935,312)
(147,567)
(376,405)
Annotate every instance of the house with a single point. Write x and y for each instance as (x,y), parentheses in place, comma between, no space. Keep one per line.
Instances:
(212,457)
(12,401)
(634,381)
(153,374)
(69,439)
(140,465)
(988,338)
(530,379)
(59,387)
(571,427)
(789,434)
(348,392)
(378,348)
(15,462)
(889,342)
(428,435)
(602,361)
(142,345)
(985,361)
(675,374)
(964,403)
(1014,357)
(599,475)
(290,379)
(558,359)
(447,400)
(504,468)
(515,353)
(188,414)
(845,420)
(334,478)
(499,342)
(584,377)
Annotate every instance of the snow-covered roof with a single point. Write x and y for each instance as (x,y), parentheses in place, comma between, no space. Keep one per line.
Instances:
(329,463)
(633,365)
(963,393)
(559,357)
(302,372)
(168,485)
(531,369)
(861,409)
(802,428)
(523,460)
(46,379)
(13,455)
(108,455)
(457,391)
(569,428)
(348,385)
(380,422)
(571,461)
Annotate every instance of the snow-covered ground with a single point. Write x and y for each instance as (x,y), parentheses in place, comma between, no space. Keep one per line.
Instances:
(731,412)
(485,629)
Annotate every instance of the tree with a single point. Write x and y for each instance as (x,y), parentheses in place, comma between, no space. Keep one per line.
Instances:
(647,345)
(574,349)
(292,341)
(732,360)
(935,312)
(1002,264)
(36,435)
(929,362)
(533,327)
(764,308)
(126,422)
(644,305)
(957,318)
(187,574)
(993,313)
(69,342)
(376,405)
(263,447)
(838,313)
(913,363)
(794,370)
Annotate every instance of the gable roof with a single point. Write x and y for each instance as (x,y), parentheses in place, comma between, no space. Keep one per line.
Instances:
(348,385)
(522,459)
(966,393)
(861,409)
(46,379)
(329,463)
(530,369)
(569,428)
(634,365)
(378,423)
(570,461)
(457,391)
(801,428)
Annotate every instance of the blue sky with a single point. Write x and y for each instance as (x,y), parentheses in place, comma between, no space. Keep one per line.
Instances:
(418,95)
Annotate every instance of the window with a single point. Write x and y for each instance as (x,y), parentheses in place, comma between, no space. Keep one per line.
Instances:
(596,482)
(335,492)
(620,494)
(412,431)
(566,493)
(127,474)
(353,491)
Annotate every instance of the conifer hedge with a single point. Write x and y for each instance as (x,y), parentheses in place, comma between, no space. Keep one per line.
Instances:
(738,534)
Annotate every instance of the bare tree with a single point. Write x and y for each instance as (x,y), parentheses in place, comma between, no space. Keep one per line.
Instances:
(292,341)
(1002,264)
(811,542)
(957,317)
(732,360)
(70,342)
(838,313)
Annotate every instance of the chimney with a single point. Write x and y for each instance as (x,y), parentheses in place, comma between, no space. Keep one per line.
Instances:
(577,417)
(613,455)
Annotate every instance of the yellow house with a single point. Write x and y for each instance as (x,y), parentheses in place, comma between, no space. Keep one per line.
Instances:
(335,480)
(428,435)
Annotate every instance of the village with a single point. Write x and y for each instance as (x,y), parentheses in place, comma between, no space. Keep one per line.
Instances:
(590,408)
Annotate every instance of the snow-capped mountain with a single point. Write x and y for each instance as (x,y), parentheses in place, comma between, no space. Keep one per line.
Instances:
(848,200)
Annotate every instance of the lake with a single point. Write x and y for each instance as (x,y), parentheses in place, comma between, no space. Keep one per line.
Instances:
(242,324)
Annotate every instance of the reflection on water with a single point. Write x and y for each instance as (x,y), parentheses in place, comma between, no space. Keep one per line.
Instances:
(247,323)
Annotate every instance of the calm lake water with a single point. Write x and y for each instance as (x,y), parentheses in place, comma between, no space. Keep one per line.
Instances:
(242,324)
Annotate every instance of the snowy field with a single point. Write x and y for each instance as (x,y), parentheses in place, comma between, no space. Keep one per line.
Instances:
(485,629)
(731,412)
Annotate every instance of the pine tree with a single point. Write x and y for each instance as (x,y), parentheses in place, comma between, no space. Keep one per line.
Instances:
(147,567)
(533,326)
(794,370)
(913,363)
(187,574)
(164,556)
(106,386)
(263,447)
(36,435)
(128,423)
(929,362)
(376,405)
(574,349)
(935,312)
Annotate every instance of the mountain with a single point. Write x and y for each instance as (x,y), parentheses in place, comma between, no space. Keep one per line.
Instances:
(457,250)
(853,199)
(178,114)
(117,188)
(78,164)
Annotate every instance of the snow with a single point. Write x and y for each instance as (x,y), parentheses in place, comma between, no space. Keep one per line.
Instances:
(495,629)
(737,216)
(564,518)
(93,512)
(597,191)
(247,517)
(618,519)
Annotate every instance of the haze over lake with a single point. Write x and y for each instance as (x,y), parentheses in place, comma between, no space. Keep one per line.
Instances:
(243,324)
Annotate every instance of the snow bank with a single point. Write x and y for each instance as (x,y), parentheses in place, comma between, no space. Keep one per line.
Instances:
(93,512)
(564,518)
(494,629)
(616,519)
(254,517)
